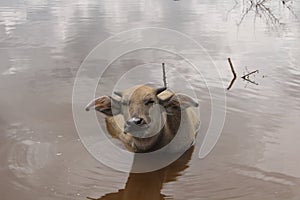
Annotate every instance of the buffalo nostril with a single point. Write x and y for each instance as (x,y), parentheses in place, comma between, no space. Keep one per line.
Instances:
(134,124)
(135,121)
(139,121)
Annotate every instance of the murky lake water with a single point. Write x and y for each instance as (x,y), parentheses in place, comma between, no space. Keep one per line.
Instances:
(43,43)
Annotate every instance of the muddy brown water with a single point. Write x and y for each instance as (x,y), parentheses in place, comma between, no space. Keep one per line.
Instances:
(43,43)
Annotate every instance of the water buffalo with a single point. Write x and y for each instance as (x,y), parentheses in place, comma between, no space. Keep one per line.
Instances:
(145,118)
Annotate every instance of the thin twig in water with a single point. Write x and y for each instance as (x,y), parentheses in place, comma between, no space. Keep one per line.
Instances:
(164,75)
(246,75)
(233,72)
(245,13)
(231,83)
(232,68)
(234,7)
(292,11)
(253,82)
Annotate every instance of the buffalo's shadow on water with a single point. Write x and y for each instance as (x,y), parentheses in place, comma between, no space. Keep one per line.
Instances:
(148,186)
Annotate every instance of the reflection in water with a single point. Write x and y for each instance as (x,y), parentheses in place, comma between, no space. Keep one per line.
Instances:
(148,186)
(264,9)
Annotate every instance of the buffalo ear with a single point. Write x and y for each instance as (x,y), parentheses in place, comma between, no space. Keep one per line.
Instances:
(106,105)
(178,102)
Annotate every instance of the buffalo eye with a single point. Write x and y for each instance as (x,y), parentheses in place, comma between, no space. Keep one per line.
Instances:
(149,102)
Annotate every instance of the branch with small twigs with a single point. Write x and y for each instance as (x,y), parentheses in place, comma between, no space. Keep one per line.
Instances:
(245,77)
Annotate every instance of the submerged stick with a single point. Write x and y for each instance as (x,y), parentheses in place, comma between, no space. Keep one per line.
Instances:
(232,68)
(245,76)
(233,72)
(164,75)
(250,81)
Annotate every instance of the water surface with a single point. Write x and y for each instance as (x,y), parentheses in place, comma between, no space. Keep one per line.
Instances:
(43,43)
